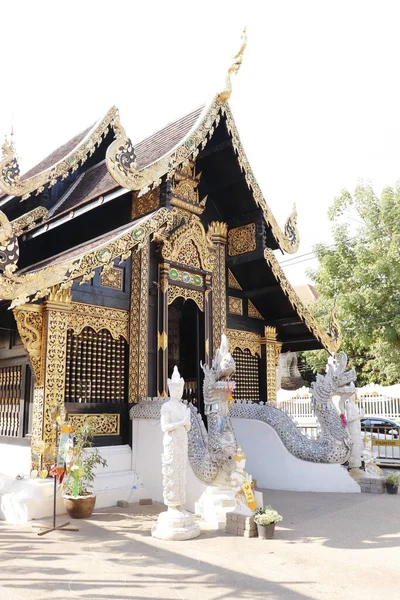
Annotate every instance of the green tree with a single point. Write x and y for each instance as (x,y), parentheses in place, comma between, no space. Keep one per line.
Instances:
(361,274)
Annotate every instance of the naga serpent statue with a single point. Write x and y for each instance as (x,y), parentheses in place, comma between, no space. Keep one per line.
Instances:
(212,453)
(333,444)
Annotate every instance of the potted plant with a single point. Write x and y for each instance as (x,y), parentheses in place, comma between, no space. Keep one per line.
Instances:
(265,519)
(392,483)
(79,499)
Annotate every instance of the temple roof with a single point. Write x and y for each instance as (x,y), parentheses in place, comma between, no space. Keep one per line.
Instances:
(140,168)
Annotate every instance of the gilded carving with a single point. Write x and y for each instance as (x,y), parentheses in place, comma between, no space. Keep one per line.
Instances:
(142,205)
(29,319)
(330,343)
(242,239)
(235,305)
(189,245)
(56,326)
(11,182)
(253,312)
(185,194)
(162,341)
(134,324)
(138,324)
(37,423)
(83,315)
(245,340)
(177,291)
(233,282)
(217,233)
(26,222)
(103,426)
(113,278)
(273,349)
(9,249)
(122,166)
(144,317)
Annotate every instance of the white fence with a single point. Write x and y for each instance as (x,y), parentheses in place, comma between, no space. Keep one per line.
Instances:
(374,400)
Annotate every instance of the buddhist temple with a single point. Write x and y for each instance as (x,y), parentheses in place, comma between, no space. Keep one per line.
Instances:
(119,261)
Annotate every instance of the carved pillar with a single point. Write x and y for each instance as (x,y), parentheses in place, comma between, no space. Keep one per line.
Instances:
(138,323)
(218,233)
(56,311)
(162,340)
(272,351)
(29,319)
(207,322)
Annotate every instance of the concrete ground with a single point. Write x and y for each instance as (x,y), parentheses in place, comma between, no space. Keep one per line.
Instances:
(329,546)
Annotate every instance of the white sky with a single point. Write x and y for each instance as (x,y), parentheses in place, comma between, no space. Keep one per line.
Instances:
(316,100)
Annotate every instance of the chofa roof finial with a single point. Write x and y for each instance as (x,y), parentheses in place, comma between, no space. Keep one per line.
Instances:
(233,69)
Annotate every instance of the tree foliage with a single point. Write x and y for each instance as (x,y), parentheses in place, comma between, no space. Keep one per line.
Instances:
(361,273)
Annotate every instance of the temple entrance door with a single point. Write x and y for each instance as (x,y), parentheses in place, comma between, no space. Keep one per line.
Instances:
(186,347)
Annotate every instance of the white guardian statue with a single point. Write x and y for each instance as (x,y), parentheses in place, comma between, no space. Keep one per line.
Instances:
(175,523)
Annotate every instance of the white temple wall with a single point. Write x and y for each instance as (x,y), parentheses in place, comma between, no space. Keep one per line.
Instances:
(15,459)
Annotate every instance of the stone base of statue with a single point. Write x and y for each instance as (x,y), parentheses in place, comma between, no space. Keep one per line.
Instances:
(214,503)
(175,524)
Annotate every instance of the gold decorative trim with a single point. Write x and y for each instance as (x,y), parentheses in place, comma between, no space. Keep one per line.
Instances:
(272,351)
(83,315)
(29,319)
(142,205)
(219,302)
(56,326)
(244,340)
(122,166)
(37,424)
(177,291)
(233,282)
(242,239)
(112,278)
(253,312)
(104,426)
(186,240)
(162,341)
(330,343)
(144,319)
(11,182)
(270,333)
(218,232)
(235,305)
(29,220)
(138,324)
(19,288)
(185,194)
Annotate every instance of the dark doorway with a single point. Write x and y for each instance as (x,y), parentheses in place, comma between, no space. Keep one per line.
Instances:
(186,347)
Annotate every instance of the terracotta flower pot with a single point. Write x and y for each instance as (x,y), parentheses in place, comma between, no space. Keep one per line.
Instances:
(79,508)
(391,488)
(266,532)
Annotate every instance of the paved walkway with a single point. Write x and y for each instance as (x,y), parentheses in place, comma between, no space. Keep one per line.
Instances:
(329,546)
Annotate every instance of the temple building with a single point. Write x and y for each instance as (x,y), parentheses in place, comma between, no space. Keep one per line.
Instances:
(118,262)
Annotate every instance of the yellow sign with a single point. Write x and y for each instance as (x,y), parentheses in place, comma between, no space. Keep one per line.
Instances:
(386,442)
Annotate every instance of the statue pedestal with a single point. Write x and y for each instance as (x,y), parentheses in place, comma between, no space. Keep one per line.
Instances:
(175,524)
(214,503)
